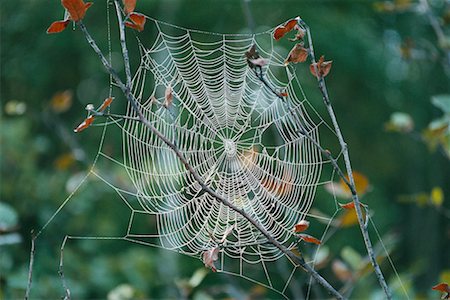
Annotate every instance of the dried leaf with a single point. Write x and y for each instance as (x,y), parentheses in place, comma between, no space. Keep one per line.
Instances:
(76,8)
(301,226)
(309,239)
(129,6)
(442,287)
(281,30)
(105,104)
(57,26)
(284,94)
(137,21)
(299,36)
(85,124)
(168,97)
(323,67)
(210,256)
(61,101)
(297,54)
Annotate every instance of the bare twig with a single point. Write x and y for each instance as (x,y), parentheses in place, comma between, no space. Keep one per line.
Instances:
(30,268)
(61,270)
(351,181)
(134,104)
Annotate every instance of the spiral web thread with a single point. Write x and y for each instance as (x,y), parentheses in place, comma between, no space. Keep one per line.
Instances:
(238,136)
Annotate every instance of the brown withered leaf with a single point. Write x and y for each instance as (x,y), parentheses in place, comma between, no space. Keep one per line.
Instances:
(323,67)
(281,30)
(168,97)
(106,103)
(137,21)
(85,124)
(209,257)
(76,8)
(301,226)
(57,26)
(129,6)
(261,62)
(309,239)
(442,287)
(297,54)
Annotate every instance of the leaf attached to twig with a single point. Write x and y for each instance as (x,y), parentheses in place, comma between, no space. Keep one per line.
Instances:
(301,226)
(129,6)
(58,26)
(85,124)
(210,256)
(106,103)
(76,8)
(297,54)
(137,21)
(168,97)
(309,239)
(281,30)
(321,68)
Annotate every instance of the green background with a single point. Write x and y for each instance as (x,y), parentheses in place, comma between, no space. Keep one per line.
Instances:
(371,78)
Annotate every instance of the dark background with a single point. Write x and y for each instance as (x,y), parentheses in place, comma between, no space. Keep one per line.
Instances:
(386,59)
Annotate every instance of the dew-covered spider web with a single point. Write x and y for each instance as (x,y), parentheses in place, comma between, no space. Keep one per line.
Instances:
(254,148)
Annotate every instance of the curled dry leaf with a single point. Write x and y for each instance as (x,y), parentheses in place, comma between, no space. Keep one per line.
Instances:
(309,239)
(168,97)
(281,30)
(76,8)
(299,36)
(137,21)
(107,102)
(57,26)
(323,67)
(129,6)
(442,287)
(210,256)
(301,226)
(297,54)
(85,124)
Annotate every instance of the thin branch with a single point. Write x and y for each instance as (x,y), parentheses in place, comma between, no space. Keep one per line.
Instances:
(61,270)
(133,102)
(30,268)
(343,144)
(123,43)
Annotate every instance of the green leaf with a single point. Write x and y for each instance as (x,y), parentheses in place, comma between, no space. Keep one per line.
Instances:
(442,102)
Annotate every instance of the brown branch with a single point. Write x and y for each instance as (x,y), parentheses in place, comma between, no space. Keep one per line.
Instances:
(134,104)
(351,181)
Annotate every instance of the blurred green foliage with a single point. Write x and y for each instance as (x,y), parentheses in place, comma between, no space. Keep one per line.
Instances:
(386,59)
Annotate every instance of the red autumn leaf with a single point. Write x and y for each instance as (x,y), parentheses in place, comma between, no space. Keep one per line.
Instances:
(57,26)
(168,97)
(76,8)
(129,6)
(301,226)
(106,103)
(349,205)
(323,67)
(210,256)
(297,54)
(309,239)
(85,124)
(442,287)
(137,21)
(281,30)
(284,94)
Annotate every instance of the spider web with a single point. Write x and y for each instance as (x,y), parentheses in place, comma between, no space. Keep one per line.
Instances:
(243,141)
(239,137)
